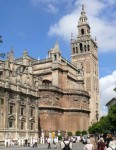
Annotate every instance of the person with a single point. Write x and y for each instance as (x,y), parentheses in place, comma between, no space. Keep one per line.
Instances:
(49,143)
(88,146)
(104,137)
(25,144)
(92,141)
(101,145)
(35,142)
(28,142)
(112,144)
(54,142)
(66,144)
(46,140)
(108,139)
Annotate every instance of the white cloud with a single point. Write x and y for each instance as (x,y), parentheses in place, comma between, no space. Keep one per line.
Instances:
(47,5)
(107,84)
(51,8)
(101,20)
(64,27)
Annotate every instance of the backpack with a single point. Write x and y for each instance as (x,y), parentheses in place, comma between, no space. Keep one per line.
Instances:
(101,146)
(67,147)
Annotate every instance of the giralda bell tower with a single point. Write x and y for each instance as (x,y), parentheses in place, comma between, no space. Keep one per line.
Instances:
(84,52)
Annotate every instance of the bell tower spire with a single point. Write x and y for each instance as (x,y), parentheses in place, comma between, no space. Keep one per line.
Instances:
(83,26)
(83,17)
(84,51)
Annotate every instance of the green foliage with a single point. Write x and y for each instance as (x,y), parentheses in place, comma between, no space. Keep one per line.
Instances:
(94,128)
(106,123)
(78,133)
(69,133)
(59,137)
(84,132)
(112,116)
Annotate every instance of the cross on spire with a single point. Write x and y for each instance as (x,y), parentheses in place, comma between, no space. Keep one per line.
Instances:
(83,6)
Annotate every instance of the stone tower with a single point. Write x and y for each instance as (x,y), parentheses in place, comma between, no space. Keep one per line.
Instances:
(84,53)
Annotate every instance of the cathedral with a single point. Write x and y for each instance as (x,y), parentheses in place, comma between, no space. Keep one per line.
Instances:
(51,95)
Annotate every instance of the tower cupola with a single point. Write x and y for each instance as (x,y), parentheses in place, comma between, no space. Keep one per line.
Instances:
(83,26)
(83,18)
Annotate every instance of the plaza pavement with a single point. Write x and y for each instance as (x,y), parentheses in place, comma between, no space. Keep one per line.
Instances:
(76,146)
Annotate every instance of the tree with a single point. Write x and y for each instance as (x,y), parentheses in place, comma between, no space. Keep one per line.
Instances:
(95,128)
(69,133)
(78,133)
(106,124)
(112,117)
(59,137)
(84,132)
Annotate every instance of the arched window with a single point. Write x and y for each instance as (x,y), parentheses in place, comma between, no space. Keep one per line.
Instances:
(85,48)
(55,58)
(81,47)
(88,47)
(73,50)
(82,31)
(76,49)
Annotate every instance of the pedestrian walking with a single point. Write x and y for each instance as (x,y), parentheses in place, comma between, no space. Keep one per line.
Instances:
(49,143)
(28,143)
(92,141)
(112,144)
(54,142)
(88,146)
(108,139)
(25,142)
(101,145)
(66,144)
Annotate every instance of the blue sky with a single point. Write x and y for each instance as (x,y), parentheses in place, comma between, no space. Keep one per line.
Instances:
(35,25)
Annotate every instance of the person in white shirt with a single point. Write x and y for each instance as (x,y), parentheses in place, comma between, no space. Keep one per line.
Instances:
(65,141)
(88,146)
(112,144)
(49,143)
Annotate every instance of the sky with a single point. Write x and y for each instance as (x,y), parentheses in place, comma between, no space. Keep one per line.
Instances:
(35,25)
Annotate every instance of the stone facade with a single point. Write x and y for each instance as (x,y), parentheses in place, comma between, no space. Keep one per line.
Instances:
(46,95)
(18,99)
(85,54)
(41,95)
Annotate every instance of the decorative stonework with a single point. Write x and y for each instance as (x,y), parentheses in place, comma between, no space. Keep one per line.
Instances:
(45,95)
(84,51)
